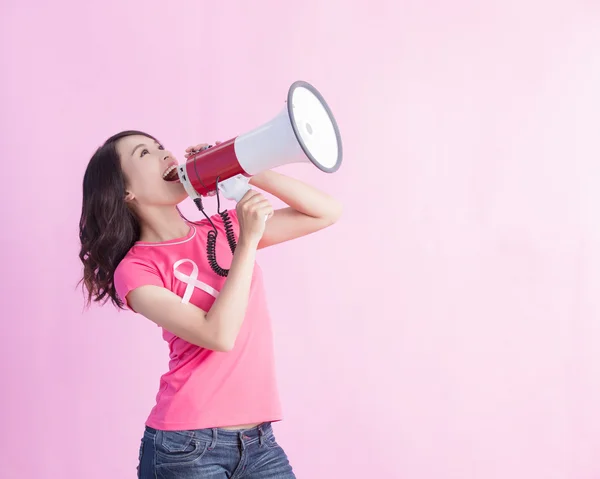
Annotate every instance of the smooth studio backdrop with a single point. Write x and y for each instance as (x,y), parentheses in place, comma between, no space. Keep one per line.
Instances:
(447,327)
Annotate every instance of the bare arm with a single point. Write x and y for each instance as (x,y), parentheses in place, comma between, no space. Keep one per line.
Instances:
(309,210)
(218,328)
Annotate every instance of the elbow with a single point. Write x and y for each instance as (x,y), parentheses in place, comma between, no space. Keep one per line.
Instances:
(335,212)
(216,344)
(221,338)
(224,346)
(223,342)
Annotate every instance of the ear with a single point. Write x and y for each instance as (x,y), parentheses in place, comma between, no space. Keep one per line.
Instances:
(129,196)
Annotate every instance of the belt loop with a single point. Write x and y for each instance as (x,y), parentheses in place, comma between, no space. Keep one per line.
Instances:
(241,438)
(214,439)
(261,436)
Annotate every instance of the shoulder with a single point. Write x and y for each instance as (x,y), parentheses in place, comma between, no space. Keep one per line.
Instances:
(227,218)
(220,221)
(135,270)
(132,260)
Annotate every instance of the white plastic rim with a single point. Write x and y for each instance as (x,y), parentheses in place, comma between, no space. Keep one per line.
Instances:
(315,127)
(304,131)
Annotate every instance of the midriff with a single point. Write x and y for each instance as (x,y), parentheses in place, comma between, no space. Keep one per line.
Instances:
(241,427)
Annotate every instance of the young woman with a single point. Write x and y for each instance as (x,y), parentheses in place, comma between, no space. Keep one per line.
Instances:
(215,405)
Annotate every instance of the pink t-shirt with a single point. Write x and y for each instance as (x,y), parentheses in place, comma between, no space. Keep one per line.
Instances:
(205,388)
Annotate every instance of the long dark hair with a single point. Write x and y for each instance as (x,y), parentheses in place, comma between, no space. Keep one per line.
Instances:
(108,227)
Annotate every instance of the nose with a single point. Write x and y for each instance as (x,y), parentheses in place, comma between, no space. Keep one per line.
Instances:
(167,157)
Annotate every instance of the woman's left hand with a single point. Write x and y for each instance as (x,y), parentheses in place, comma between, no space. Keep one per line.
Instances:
(191,150)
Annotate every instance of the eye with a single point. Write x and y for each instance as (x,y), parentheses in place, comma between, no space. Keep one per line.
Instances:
(160,147)
(144,152)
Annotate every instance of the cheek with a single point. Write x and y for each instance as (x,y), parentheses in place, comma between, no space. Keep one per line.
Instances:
(141,180)
(152,190)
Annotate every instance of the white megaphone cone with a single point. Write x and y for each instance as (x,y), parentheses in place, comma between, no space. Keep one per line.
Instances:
(304,131)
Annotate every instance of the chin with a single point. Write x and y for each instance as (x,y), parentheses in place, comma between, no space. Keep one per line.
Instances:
(181,199)
(176,192)
(181,194)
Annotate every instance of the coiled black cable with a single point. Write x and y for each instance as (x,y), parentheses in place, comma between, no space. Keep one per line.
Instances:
(211,241)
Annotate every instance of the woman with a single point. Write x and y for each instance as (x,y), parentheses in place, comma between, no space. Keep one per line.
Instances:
(215,405)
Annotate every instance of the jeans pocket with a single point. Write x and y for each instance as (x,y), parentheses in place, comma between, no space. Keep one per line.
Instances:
(270,441)
(178,448)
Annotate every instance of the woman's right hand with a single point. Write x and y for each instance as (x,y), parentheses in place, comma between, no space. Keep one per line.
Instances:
(253,211)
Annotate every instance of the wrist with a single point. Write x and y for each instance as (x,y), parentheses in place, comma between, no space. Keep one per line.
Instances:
(261,179)
(247,243)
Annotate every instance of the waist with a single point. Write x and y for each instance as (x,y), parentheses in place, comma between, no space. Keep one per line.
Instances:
(221,435)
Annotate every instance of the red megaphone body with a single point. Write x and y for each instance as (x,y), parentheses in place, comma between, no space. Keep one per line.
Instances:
(304,131)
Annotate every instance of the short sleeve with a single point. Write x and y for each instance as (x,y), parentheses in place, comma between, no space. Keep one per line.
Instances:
(133,273)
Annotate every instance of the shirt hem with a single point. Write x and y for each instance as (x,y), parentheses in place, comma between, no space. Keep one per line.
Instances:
(190,426)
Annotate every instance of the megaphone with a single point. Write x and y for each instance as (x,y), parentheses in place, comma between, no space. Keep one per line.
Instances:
(305,131)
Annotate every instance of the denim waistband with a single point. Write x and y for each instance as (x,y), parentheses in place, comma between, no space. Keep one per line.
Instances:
(224,436)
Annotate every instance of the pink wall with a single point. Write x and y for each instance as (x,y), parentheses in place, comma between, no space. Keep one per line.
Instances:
(463,343)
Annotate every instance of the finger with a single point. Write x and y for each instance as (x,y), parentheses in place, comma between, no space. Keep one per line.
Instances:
(266,209)
(256,201)
(261,207)
(196,147)
(253,209)
(265,212)
(249,194)
(193,147)
(190,150)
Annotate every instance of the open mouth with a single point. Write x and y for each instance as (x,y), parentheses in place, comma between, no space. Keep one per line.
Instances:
(170,174)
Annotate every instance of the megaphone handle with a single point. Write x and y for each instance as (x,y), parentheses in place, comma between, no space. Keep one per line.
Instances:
(234,188)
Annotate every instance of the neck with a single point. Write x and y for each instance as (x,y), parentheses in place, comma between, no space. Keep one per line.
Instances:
(162,223)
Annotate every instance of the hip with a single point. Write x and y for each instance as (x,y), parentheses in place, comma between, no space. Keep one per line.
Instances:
(213,452)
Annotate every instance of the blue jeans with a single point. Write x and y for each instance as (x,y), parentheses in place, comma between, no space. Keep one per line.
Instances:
(213,453)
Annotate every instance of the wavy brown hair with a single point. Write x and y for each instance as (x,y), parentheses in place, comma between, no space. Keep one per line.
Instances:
(108,227)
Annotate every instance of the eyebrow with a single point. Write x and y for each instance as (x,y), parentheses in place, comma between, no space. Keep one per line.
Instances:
(133,151)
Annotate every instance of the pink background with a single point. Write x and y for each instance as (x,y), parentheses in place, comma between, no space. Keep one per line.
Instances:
(463,341)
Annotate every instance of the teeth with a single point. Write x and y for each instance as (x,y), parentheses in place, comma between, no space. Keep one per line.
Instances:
(168,170)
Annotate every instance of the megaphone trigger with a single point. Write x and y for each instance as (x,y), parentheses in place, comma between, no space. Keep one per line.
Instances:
(234,188)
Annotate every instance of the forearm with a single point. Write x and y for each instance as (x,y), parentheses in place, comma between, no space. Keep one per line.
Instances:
(229,309)
(297,194)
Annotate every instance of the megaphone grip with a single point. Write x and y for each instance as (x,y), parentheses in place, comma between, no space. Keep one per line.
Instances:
(234,188)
